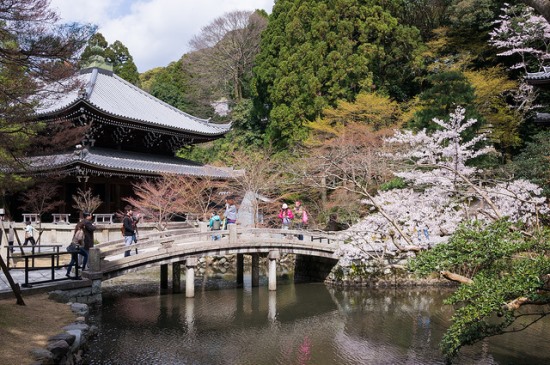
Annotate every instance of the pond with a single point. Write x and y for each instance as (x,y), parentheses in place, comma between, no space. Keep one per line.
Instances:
(297,324)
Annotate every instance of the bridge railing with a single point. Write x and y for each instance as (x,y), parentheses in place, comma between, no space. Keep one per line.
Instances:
(234,236)
(158,239)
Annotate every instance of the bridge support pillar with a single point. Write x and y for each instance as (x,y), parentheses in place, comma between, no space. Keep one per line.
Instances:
(190,264)
(240,270)
(273,256)
(255,269)
(164,276)
(94,260)
(176,277)
(232,233)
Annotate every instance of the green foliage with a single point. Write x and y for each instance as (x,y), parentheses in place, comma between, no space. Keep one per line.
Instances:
(395,183)
(446,91)
(117,54)
(95,43)
(533,163)
(471,249)
(123,63)
(169,85)
(244,137)
(473,16)
(314,53)
(503,263)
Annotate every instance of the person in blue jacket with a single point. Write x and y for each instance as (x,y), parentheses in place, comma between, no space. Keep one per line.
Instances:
(215,224)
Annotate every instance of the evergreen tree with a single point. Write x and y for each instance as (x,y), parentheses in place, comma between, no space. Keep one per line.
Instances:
(117,54)
(447,91)
(123,63)
(314,53)
(171,85)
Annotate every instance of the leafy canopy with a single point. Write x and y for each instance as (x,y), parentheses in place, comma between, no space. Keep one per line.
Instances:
(314,53)
(504,265)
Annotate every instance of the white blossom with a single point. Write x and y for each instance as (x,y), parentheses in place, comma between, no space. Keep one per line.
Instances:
(441,194)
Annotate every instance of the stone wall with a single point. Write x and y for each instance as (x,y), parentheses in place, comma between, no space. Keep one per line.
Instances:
(86,295)
(388,270)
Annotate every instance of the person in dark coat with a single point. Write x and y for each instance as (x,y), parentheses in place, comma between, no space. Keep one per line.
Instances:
(89,229)
(128,230)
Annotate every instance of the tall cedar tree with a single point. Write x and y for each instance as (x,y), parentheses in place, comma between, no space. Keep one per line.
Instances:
(314,53)
(117,54)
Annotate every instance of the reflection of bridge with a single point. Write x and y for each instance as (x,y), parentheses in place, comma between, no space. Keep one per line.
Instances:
(314,252)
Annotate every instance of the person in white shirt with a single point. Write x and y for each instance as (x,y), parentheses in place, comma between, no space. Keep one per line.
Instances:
(29,234)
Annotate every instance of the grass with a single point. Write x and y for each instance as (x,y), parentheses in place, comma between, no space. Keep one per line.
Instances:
(23,328)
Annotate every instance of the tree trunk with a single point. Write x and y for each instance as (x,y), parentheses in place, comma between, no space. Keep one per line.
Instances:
(456,277)
(542,6)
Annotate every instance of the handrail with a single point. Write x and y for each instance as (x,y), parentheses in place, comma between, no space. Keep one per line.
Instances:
(33,253)
(54,265)
(167,239)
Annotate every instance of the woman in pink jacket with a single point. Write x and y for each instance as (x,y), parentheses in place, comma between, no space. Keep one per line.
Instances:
(286,216)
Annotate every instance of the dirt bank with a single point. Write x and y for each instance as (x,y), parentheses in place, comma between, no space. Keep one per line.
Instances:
(23,328)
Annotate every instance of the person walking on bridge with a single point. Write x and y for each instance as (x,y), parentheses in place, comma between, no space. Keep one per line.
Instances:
(300,218)
(128,230)
(230,213)
(88,227)
(78,242)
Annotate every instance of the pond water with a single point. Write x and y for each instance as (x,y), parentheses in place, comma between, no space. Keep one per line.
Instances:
(297,324)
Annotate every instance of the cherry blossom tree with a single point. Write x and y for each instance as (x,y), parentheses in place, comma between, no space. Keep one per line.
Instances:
(171,195)
(483,234)
(523,33)
(443,190)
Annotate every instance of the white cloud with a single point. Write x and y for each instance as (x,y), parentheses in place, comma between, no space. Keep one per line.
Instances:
(156,32)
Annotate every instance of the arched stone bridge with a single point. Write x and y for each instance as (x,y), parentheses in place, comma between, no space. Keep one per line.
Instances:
(185,246)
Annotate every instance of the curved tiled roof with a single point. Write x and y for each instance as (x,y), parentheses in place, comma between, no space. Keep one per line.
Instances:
(542,75)
(127,163)
(120,99)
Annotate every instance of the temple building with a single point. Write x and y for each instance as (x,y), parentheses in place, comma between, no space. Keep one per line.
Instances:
(541,80)
(124,135)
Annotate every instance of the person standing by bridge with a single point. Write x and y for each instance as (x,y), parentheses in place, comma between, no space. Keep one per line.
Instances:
(230,214)
(128,230)
(11,234)
(215,224)
(29,234)
(286,216)
(300,217)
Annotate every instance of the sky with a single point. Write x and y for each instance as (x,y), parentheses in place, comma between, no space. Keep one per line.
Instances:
(156,32)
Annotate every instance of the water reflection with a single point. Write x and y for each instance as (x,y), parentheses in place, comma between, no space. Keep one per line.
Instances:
(297,324)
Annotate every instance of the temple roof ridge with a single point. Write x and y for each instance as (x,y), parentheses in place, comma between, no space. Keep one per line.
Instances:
(124,163)
(116,97)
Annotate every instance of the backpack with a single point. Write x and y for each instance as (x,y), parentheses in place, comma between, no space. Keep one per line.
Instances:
(78,236)
(216,225)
